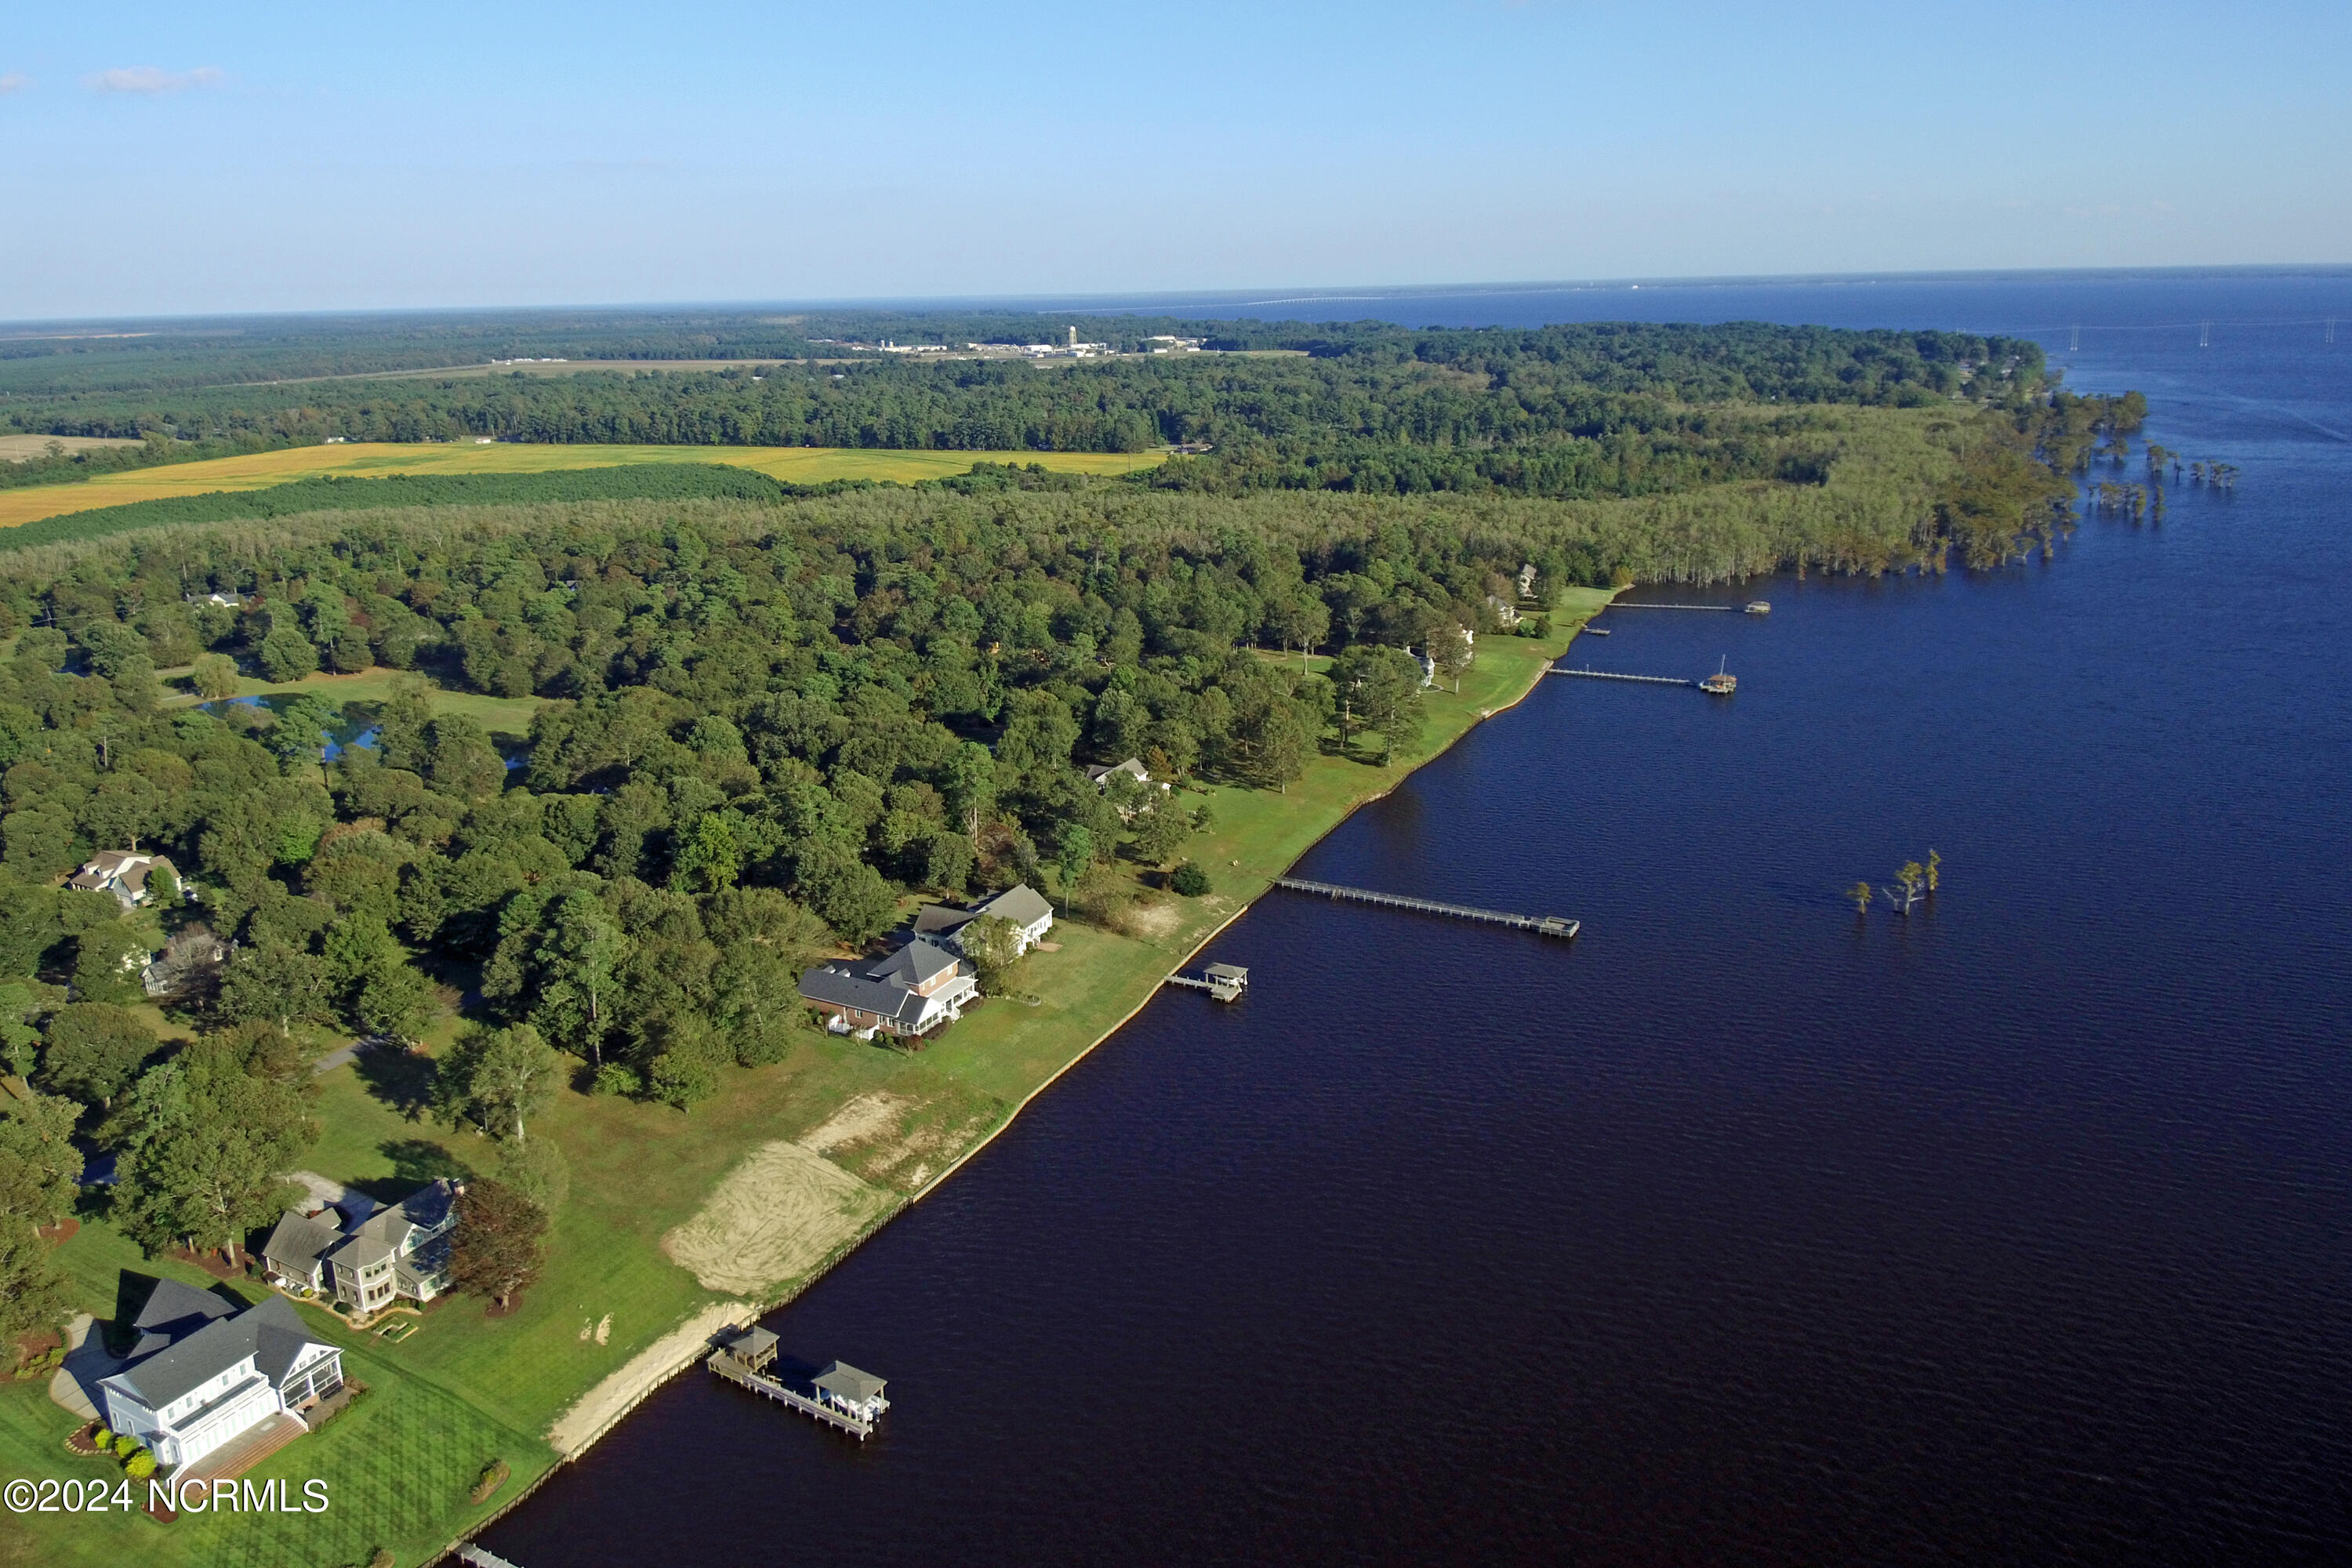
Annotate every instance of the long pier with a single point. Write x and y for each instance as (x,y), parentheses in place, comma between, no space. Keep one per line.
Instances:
(480,1556)
(1608,674)
(1543,925)
(726,1367)
(1753,607)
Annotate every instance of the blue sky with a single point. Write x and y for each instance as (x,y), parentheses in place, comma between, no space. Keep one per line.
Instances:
(244,157)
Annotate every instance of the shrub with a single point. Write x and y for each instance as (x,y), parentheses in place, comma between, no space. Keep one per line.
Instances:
(103,1437)
(617,1078)
(1188,879)
(681,1078)
(494,1475)
(124,1446)
(140,1466)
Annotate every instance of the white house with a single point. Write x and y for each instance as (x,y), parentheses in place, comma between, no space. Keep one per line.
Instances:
(1031,915)
(124,873)
(368,1261)
(204,1374)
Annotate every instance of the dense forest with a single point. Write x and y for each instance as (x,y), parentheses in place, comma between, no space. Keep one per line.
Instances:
(1572,411)
(767,721)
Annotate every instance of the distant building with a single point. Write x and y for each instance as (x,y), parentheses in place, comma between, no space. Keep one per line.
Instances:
(1528,581)
(1133,767)
(122,872)
(1505,611)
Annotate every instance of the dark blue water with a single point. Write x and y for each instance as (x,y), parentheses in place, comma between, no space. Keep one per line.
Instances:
(1745,1229)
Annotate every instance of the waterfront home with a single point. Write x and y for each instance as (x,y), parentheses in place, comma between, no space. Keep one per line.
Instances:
(1133,768)
(1021,904)
(368,1262)
(124,873)
(204,1374)
(1506,612)
(856,1394)
(919,988)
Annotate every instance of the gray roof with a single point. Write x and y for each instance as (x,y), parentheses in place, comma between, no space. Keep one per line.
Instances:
(917,963)
(173,1313)
(300,1239)
(752,1343)
(847,1380)
(1227,971)
(836,987)
(939,920)
(1132,766)
(270,1332)
(1018,903)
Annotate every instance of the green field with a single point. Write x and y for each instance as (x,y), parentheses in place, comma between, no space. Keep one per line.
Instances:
(500,715)
(465,1383)
(260,470)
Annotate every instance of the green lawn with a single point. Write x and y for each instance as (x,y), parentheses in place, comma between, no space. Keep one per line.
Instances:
(467,1383)
(397,1464)
(500,715)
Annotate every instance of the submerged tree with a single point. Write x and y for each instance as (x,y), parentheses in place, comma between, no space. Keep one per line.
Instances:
(1860,894)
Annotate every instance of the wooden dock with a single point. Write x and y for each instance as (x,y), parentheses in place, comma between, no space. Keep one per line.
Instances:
(1610,675)
(480,1556)
(1225,982)
(1753,607)
(1542,925)
(734,1372)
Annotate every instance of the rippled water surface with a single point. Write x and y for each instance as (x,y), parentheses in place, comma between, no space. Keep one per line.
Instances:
(1744,1230)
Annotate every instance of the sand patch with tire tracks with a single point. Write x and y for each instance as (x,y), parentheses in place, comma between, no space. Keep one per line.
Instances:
(781,1213)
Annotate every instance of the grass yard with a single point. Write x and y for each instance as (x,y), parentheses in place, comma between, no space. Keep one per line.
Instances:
(397,1463)
(260,470)
(466,1385)
(500,715)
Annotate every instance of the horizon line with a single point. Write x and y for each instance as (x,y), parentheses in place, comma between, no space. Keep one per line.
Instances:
(1122,301)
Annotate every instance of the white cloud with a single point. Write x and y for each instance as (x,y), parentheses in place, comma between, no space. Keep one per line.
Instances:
(151,80)
(15,81)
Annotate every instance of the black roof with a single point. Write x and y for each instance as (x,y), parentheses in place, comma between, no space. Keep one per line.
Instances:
(934,920)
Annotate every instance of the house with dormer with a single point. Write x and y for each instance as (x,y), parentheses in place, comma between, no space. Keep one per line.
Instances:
(367,1261)
(205,1373)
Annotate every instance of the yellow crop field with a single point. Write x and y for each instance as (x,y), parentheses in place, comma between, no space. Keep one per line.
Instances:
(795,465)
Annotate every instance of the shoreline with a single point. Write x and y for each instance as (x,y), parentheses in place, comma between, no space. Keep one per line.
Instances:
(643,1385)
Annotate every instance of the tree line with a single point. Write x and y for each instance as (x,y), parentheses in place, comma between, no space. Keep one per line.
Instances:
(1568,411)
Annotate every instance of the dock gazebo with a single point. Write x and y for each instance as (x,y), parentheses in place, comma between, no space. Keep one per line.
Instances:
(753,1348)
(858,1394)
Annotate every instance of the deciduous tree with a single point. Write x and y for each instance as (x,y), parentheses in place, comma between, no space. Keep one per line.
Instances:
(495,1247)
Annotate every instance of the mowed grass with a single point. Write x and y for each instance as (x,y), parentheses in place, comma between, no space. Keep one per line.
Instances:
(467,1383)
(397,1464)
(260,470)
(500,715)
